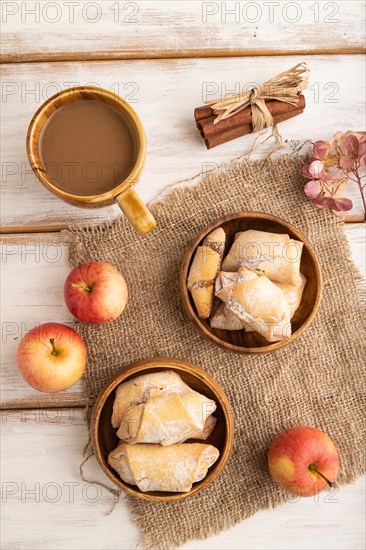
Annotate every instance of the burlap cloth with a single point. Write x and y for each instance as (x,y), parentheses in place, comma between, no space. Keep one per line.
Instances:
(317,380)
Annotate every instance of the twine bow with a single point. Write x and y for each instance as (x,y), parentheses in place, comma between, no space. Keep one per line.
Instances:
(285,87)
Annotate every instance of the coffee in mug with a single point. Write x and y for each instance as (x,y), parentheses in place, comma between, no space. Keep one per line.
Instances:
(88,146)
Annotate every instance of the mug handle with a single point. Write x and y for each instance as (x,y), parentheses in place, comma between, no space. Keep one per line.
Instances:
(136,211)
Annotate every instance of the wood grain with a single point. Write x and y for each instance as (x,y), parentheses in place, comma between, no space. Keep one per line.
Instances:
(41,452)
(164,94)
(34,268)
(153,29)
(42,448)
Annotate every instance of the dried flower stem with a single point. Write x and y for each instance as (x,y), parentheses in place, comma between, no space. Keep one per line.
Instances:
(361,188)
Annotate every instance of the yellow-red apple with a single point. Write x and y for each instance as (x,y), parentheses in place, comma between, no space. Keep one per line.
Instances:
(95,292)
(303,460)
(51,357)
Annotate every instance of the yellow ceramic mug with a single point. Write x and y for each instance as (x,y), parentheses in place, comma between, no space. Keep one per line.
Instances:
(122,193)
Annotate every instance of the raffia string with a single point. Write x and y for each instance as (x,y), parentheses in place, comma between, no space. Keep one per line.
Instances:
(285,87)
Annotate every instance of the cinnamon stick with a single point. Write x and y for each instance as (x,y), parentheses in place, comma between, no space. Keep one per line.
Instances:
(215,139)
(240,124)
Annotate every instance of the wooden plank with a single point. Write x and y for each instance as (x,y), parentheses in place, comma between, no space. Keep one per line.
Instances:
(165,93)
(174,54)
(356,234)
(41,454)
(154,29)
(34,267)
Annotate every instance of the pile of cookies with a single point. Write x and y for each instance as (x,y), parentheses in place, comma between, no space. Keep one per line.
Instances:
(154,415)
(258,285)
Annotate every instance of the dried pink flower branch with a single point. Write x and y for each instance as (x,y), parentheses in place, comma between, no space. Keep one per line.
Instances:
(332,164)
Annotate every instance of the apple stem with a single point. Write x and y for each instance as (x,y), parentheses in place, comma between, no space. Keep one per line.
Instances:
(325,479)
(84,287)
(54,351)
(313,468)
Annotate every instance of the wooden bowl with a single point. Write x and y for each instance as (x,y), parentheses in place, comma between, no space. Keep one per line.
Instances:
(104,438)
(252,342)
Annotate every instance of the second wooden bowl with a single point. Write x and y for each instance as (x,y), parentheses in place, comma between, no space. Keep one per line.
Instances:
(104,438)
(252,342)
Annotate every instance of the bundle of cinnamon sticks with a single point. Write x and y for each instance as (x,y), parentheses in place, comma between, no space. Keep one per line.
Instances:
(240,123)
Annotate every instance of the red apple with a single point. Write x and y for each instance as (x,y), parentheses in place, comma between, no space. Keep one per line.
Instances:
(95,292)
(51,357)
(303,460)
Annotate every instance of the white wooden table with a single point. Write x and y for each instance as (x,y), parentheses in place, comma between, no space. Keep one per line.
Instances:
(166,58)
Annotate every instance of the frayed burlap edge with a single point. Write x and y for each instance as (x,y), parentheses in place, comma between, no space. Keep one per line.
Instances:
(206,532)
(164,203)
